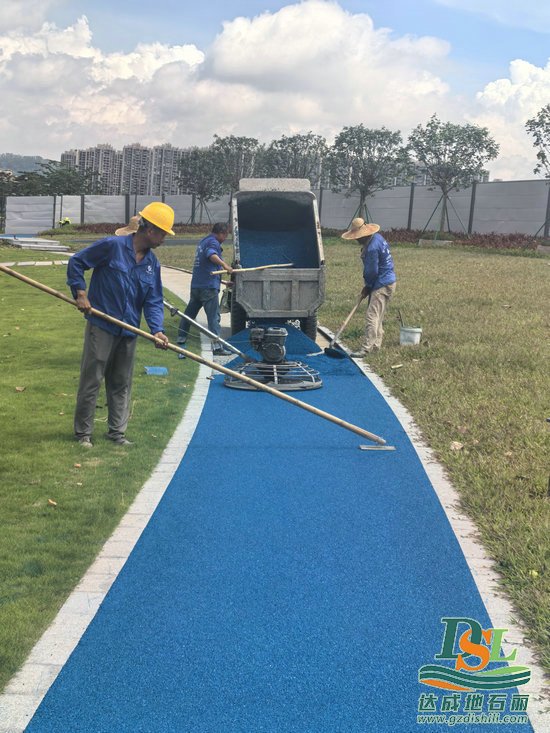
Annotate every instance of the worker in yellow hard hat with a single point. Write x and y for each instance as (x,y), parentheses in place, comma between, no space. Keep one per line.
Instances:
(125,282)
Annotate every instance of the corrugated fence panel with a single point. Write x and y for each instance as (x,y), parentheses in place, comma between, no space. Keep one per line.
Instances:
(28,214)
(458,210)
(183,207)
(104,209)
(501,206)
(68,206)
(217,210)
(390,208)
(425,214)
(337,210)
(510,206)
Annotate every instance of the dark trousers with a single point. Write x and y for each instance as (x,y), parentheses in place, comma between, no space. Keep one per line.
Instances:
(207,298)
(108,357)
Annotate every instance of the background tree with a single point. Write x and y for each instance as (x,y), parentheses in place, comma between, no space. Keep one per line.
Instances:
(54,178)
(364,161)
(297,156)
(199,175)
(7,181)
(539,127)
(453,155)
(236,158)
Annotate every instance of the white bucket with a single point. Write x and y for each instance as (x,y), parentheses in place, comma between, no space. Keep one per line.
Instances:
(409,336)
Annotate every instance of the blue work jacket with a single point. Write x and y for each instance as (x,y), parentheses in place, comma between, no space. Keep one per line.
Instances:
(202,267)
(377,263)
(119,286)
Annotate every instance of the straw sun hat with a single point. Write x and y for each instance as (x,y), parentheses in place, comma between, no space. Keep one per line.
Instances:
(359,229)
(130,228)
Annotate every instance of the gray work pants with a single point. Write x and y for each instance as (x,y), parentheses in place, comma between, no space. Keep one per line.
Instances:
(375,315)
(111,357)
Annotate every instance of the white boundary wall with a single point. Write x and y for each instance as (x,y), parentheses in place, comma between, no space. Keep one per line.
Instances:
(504,207)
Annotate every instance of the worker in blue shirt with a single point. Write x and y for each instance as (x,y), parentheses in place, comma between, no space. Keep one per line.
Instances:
(205,287)
(125,282)
(378,279)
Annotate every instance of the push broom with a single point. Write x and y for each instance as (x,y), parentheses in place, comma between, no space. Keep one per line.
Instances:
(330,350)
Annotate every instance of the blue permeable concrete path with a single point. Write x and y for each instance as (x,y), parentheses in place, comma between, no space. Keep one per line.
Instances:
(288,581)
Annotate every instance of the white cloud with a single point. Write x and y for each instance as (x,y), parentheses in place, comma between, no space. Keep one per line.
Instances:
(315,66)
(24,13)
(316,47)
(48,41)
(504,107)
(531,14)
(142,63)
(309,66)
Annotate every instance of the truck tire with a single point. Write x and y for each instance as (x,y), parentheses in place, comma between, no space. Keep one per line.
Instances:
(238,317)
(308,325)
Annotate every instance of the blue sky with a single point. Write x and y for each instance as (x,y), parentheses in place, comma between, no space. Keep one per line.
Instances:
(91,71)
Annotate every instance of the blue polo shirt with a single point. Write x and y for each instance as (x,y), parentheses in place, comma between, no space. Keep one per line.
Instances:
(377,264)
(202,267)
(119,286)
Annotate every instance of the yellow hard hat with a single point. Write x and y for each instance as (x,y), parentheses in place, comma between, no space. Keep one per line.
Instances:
(159,214)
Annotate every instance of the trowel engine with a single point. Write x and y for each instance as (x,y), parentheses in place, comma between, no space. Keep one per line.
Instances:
(275,370)
(269,343)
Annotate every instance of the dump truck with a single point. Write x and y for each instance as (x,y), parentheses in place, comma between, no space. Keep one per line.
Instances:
(276,221)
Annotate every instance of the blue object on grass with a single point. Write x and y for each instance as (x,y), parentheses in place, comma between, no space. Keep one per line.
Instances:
(156,370)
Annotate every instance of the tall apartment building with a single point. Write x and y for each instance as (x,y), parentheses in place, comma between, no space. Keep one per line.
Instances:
(103,161)
(69,157)
(165,167)
(134,170)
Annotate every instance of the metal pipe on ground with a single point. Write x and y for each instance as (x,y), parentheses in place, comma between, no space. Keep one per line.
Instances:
(189,354)
(212,336)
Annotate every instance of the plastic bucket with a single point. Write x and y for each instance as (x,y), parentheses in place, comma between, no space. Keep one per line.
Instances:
(409,336)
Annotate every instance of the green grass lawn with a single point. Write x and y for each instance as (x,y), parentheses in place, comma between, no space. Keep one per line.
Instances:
(480,377)
(45,549)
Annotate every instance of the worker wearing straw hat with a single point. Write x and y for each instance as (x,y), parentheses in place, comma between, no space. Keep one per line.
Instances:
(130,228)
(378,278)
(125,282)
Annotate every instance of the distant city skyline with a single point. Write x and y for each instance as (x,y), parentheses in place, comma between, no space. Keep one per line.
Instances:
(135,169)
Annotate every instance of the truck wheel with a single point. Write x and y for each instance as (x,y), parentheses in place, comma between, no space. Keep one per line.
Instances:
(308,326)
(238,317)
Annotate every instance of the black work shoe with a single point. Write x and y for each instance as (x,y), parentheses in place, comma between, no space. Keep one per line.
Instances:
(119,440)
(220,352)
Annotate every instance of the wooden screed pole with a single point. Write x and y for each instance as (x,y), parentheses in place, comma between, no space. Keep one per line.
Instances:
(201,360)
